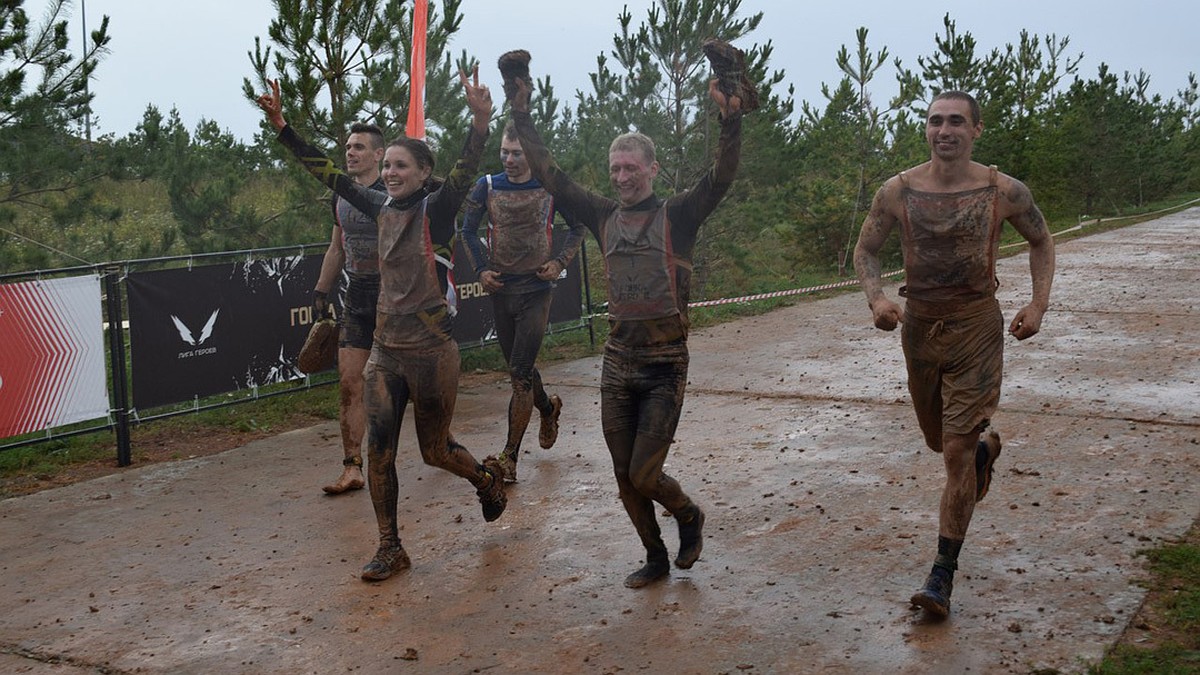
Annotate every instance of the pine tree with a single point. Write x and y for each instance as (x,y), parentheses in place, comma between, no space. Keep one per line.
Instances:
(47,167)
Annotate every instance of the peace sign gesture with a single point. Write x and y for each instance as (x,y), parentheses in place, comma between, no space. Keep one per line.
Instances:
(479,98)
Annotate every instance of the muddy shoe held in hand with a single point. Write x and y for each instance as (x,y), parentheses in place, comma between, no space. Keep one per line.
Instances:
(729,66)
(514,66)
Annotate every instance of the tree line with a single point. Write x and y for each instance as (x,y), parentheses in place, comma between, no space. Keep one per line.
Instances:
(1093,144)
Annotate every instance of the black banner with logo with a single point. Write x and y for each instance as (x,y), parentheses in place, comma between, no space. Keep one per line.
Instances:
(218,328)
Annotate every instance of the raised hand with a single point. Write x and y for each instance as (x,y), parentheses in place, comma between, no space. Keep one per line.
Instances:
(728,105)
(272,105)
(479,98)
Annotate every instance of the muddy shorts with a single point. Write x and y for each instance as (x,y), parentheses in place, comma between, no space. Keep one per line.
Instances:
(356,325)
(955,366)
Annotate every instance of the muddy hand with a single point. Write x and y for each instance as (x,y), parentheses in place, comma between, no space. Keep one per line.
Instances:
(479,98)
(1026,323)
(272,105)
(887,314)
(728,105)
(550,270)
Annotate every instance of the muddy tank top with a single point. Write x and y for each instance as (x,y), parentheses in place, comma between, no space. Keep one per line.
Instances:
(406,250)
(520,229)
(950,242)
(360,237)
(640,265)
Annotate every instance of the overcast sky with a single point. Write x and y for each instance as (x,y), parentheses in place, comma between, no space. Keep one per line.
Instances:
(192,55)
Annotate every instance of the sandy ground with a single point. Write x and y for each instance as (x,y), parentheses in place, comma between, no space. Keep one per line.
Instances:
(796,438)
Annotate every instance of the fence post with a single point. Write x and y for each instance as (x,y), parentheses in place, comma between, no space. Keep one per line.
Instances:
(116,352)
(587,292)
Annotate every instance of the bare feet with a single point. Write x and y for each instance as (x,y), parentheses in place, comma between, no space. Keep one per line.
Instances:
(351,479)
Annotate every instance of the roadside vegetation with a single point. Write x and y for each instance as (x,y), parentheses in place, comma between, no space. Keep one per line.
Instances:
(1164,637)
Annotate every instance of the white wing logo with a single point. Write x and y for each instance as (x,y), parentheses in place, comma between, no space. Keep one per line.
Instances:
(185,333)
(206,332)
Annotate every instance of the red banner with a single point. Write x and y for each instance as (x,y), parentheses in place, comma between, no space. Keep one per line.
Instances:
(52,369)
(416,71)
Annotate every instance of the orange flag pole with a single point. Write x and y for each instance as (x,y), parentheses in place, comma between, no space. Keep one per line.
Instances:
(416,74)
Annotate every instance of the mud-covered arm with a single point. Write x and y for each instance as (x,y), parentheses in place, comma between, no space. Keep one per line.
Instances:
(574,238)
(553,267)
(589,208)
(445,203)
(1027,219)
(476,209)
(314,161)
(690,209)
(876,227)
(323,169)
(332,262)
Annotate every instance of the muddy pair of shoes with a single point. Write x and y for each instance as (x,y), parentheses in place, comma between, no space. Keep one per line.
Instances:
(656,568)
(691,538)
(548,434)
(729,66)
(507,463)
(934,596)
(491,495)
(388,560)
(351,479)
(514,66)
(986,453)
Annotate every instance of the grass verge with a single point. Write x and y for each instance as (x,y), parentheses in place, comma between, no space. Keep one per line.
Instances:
(1164,636)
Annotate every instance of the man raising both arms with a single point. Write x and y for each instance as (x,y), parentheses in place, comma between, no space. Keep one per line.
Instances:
(950,211)
(517,268)
(354,247)
(647,244)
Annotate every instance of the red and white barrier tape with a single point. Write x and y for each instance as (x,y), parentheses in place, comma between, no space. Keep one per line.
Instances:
(780,294)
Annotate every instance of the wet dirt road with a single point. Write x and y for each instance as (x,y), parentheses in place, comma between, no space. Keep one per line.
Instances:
(796,438)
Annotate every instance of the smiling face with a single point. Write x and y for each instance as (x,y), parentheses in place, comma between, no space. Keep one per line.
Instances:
(632,168)
(950,130)
(402,173)
(631,175)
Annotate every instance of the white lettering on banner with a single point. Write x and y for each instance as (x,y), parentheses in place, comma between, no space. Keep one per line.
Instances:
(472,290)
(206,351)
(302,316)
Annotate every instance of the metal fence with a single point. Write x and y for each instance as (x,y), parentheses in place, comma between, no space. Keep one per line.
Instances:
(120,359)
